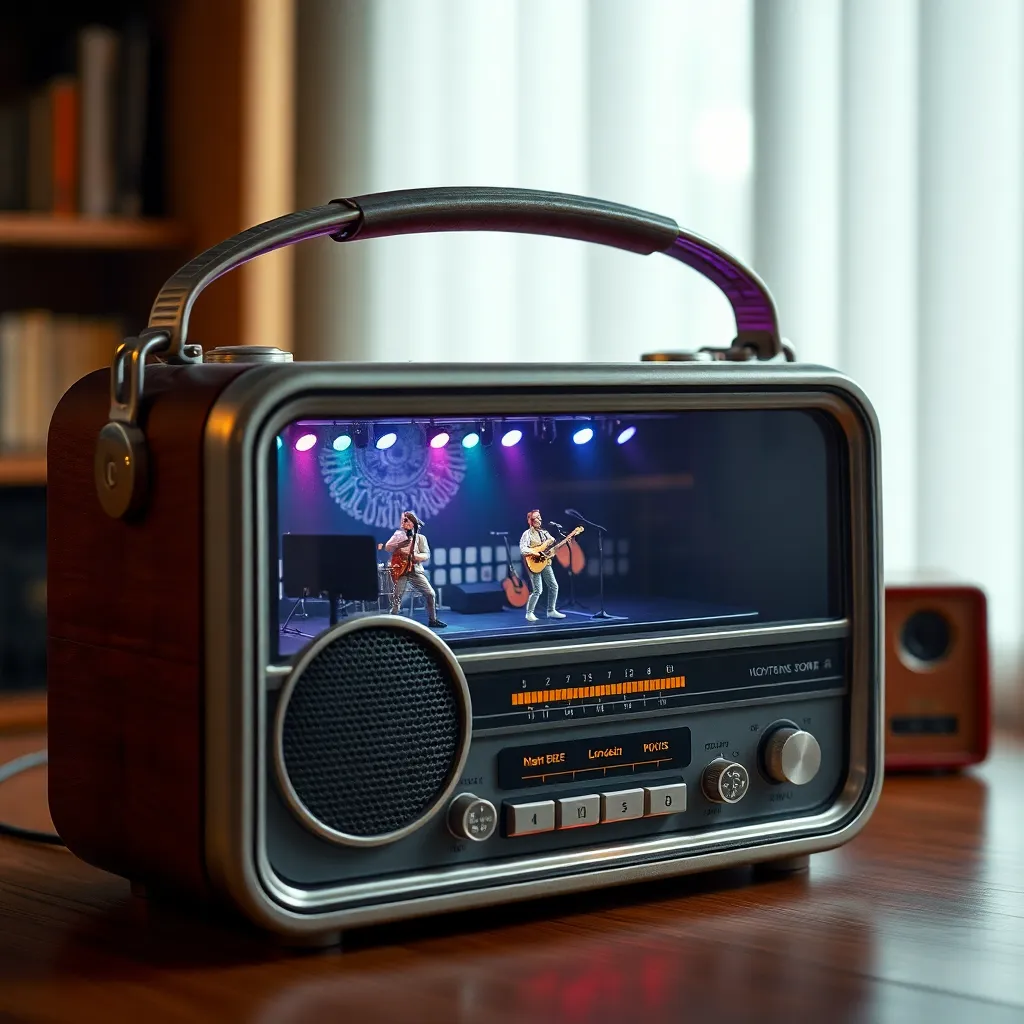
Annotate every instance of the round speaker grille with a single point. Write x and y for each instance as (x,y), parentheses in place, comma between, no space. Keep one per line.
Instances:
(372,730)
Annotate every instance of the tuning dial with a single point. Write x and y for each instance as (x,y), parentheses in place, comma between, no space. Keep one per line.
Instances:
(472,817)
(791,755)
(725,782)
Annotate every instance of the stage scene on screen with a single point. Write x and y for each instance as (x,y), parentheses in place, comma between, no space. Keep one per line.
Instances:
(529,527)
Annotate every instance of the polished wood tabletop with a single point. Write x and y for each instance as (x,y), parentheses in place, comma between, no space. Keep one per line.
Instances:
(921,918)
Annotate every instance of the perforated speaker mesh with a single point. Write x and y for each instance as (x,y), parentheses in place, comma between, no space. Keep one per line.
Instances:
(372,731)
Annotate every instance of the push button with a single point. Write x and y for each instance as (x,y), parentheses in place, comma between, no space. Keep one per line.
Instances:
(577,811)
(622,805)
(665,799)
(525,819)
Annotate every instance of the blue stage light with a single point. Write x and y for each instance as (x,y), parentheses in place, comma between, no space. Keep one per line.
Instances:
(511,437)
(305,442)
(583,435)
(280,444)
(341,442)
(386,440)
(471,440)
(625,435)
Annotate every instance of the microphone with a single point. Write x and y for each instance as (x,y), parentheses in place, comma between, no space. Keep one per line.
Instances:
(557,526)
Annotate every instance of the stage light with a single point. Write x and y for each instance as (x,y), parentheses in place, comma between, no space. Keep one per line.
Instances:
(583,435)
(625,435)
(486,433)
(360,435)
(386,440)
(511,437)
(341,442)
(280,444)
(438,437)
(305,442)
(471,440)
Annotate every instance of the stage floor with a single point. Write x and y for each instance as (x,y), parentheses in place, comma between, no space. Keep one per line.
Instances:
(468,630)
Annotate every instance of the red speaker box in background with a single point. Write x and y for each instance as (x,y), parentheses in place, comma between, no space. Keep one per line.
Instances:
(937,712)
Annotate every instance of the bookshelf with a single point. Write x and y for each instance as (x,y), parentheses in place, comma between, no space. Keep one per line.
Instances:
(23,469)
(220,106)
(47,231)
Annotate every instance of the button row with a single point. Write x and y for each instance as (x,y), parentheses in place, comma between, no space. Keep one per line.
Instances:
(578,811)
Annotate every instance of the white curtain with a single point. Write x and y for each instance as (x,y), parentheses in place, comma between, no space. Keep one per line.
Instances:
(863,156)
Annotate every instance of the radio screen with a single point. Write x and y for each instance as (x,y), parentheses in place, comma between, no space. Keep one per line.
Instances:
(529,527)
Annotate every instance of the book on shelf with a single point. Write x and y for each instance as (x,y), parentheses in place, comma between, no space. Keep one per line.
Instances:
(41,355)
(22,591)
(78,143)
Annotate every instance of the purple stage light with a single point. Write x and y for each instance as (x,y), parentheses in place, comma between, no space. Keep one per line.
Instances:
(625,435)
(440,439)
(305,442)
(511,437)
(386,440)
(583,435)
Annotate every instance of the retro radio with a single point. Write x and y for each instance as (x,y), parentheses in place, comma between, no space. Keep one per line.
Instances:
(937,697)
(665,656)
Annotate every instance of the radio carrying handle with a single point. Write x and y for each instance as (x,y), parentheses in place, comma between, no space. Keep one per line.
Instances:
(120,452)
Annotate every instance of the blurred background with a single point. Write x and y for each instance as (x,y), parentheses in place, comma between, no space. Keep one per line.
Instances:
(864,157)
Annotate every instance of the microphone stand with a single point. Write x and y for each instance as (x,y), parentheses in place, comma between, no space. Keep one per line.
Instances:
(572,602)
(601,531)
(292,630)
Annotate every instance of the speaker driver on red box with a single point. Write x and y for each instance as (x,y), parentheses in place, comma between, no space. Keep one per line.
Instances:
(937,676)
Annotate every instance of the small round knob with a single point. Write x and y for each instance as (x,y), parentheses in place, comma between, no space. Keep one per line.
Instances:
(791,755)
(472,817)
(725,782)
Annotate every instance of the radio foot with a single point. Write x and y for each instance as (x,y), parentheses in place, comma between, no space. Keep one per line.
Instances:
(311,943)
(782,867)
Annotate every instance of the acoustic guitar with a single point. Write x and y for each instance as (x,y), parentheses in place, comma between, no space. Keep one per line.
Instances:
(538,559)
(517,593)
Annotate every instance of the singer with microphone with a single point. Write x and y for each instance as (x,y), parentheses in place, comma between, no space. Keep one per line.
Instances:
(537,547)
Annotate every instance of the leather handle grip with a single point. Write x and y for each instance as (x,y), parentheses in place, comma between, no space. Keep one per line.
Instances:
(524,211)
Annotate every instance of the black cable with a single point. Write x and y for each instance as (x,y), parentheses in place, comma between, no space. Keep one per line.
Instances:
(8,771)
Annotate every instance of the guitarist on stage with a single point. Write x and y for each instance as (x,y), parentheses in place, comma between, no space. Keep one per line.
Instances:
(537,541)
(409,549)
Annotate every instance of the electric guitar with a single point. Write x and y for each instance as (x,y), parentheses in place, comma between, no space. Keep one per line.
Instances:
(538,559)
(401,564)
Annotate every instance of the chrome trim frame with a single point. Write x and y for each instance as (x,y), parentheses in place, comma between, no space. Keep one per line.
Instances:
(707,640)
(576,651)
(240,430)
(310,651)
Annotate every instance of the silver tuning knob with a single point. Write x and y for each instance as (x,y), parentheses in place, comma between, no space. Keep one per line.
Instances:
(725,782)
(791,755)
(247,354)
(472,817)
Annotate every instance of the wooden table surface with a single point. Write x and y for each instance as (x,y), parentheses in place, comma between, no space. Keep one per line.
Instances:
(921,918)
